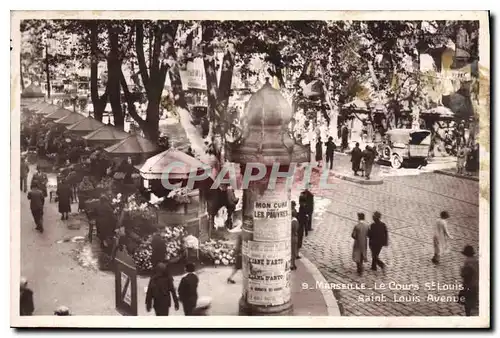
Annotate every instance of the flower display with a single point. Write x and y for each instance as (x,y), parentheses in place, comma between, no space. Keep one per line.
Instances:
(180,195)
(173,237)
(219,252)
(106,184)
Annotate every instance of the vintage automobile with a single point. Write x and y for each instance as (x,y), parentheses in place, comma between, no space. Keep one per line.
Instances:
(404,145)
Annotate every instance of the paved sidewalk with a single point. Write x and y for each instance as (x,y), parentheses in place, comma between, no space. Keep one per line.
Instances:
(63,272)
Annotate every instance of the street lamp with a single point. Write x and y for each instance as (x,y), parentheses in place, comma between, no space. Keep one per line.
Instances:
(266,230)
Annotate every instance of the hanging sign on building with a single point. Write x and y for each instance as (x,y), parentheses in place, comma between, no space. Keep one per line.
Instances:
(272,217)
(196,74)
(267,272)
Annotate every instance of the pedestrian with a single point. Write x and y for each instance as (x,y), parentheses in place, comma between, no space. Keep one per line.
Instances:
(359,248)
(295,243)
(64,199)
(303,220)
(441,237)
(345,137)
(306,201)
(356,156)
(62,311)
(462,155)
(469,296)
(26,306)
(106,223)
(472,164)
(188,290)
(319,152)
(238,259)
(369,157)
(160,291)
(159,250)
(378,238)
(41,180)
(330,151)
(25,169)
(294,210)
(37,201)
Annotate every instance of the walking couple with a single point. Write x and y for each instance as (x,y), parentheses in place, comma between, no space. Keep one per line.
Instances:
(377,236)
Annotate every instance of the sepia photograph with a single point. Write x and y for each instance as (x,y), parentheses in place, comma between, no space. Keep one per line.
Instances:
(327,166)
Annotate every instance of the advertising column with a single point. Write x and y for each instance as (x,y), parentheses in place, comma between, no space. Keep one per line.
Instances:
(266,249)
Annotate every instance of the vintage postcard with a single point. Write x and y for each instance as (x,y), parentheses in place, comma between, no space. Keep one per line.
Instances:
(250,166)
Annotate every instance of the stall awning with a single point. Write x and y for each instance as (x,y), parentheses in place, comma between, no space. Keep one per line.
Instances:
(134,144)
(155,167)
(59,113)
(70,119)
(106,133)
(88,124)
(440,111)
(47,109)
(32,91)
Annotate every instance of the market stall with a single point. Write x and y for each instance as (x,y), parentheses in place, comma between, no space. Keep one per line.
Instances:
(47,110)
(105,136)
(58,113)
(70,119)
(134,146)
(85,126)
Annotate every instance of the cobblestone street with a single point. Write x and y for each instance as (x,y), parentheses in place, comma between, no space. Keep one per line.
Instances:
(410,206)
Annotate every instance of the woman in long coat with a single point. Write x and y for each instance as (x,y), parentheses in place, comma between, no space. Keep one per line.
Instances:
(359,248)
(64,194)
(441,237)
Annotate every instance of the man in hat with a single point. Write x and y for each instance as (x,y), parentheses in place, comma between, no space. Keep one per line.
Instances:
(306,203)
(37,201)
(26,306)
(160,287)
(470,281)
(330,150)
(378,239)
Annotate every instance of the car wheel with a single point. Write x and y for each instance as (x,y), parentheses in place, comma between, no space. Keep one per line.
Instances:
(396,161)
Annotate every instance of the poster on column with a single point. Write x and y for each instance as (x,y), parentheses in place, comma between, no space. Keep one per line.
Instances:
(268,272)
(272,219)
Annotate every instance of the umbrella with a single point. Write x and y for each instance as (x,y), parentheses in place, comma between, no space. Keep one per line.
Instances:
(134,144)
(154,167)
(59,113)
(70,119)
(107,135)
(85,126)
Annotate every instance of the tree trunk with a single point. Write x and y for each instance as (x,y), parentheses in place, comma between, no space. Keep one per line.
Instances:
(151,130)
(47,69)
(114,67)
(22,78)
(99,103)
